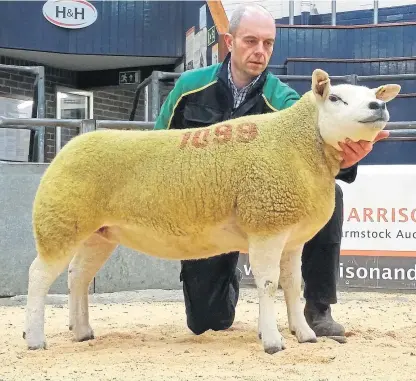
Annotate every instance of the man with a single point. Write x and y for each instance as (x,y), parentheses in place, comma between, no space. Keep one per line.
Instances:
(241,86)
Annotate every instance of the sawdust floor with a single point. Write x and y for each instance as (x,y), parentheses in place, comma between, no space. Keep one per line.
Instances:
(143,336)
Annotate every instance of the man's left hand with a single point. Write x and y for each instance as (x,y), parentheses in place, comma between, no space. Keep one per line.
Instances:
(354,152)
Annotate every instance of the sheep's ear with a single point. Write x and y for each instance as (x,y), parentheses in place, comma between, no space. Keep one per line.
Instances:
(387,92)
(320,83)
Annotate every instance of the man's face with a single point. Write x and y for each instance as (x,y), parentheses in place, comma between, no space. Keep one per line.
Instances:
(252,46)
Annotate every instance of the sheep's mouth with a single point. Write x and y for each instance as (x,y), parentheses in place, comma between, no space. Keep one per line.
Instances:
(374,120)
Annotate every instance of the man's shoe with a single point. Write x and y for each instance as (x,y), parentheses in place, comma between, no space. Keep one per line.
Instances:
(319,318)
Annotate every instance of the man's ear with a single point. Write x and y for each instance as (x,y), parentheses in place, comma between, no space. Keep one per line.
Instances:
(228,38)
(320,83)
(387,92)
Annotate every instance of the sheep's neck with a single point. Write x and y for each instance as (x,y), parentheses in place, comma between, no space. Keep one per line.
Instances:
(333,157)
(302,111)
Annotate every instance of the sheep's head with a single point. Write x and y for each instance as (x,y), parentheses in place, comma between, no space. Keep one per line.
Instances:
(350,111)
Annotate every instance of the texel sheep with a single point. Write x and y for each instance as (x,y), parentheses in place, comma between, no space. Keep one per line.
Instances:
(262,185)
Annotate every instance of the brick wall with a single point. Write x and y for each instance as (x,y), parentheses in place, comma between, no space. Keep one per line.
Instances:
(19,85)
(116,102)
(112,102)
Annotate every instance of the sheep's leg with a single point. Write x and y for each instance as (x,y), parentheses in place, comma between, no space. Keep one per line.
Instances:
(265,254)
(290,280)
(89,258)
(42,273)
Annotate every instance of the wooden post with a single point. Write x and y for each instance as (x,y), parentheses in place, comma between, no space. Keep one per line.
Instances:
(218,15)
(221,24)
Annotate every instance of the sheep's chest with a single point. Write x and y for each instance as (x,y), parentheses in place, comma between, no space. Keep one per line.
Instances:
(290,199)
(313,220)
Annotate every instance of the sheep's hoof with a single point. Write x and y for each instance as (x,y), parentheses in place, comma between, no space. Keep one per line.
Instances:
(82,332)
(306,335)
(81,339)
(274,349)
(85,336)
(274,346)
(37,347)
(310,340)
(33,347)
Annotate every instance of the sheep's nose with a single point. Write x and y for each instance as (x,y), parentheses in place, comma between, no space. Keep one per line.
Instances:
(377,105)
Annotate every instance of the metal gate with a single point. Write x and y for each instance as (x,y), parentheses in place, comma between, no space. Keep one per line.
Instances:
(14,269)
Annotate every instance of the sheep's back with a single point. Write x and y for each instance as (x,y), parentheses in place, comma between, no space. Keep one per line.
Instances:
(268,170)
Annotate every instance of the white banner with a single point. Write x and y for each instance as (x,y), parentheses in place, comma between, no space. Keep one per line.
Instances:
(380,211)
(378,248)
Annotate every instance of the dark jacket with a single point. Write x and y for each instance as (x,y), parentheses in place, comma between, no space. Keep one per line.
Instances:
(202,97)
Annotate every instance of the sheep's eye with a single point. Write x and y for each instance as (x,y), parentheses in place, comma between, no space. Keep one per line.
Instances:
(336,98)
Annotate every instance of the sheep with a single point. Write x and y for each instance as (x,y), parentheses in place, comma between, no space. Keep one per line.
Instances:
(259,184)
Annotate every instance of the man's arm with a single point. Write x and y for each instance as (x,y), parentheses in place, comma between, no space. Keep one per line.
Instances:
(353,152)
(291,98)
(348,175)
(164,119)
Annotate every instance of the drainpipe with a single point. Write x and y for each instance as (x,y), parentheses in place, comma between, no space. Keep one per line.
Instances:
(375,21)
(291,12)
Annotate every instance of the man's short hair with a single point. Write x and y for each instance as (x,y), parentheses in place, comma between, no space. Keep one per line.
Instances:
(238,14)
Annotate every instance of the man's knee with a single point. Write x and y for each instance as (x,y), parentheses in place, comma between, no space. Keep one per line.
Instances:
(211,289)
(215,322)
(217,317)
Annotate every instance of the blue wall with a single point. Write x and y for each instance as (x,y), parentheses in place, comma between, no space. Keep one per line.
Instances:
(369,42)
(345,45)
(358,17)
(385,15)
(344,66)
(400,109)
(139,28)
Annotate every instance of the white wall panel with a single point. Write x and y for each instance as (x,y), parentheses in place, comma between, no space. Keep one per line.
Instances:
(280,8)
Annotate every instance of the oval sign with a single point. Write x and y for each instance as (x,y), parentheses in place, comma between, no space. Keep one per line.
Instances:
(71,14)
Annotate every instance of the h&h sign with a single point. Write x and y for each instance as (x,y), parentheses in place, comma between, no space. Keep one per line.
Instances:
(72,14)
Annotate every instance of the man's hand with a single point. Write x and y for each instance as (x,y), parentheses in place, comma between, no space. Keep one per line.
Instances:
(354,152)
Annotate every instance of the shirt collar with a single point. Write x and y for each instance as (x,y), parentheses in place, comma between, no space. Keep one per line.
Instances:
(234,87)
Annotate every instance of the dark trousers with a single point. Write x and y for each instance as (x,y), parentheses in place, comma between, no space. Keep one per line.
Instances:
(211,286)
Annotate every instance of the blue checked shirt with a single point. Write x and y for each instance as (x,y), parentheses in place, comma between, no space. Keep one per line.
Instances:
(239,94)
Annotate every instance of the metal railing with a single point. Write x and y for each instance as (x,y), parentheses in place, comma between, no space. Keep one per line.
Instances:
(157,76)
(398,130)
(333,12)
(154,81)
(39,101)
(83,125)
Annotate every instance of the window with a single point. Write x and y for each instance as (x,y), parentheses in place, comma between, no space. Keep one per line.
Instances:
(71,104)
